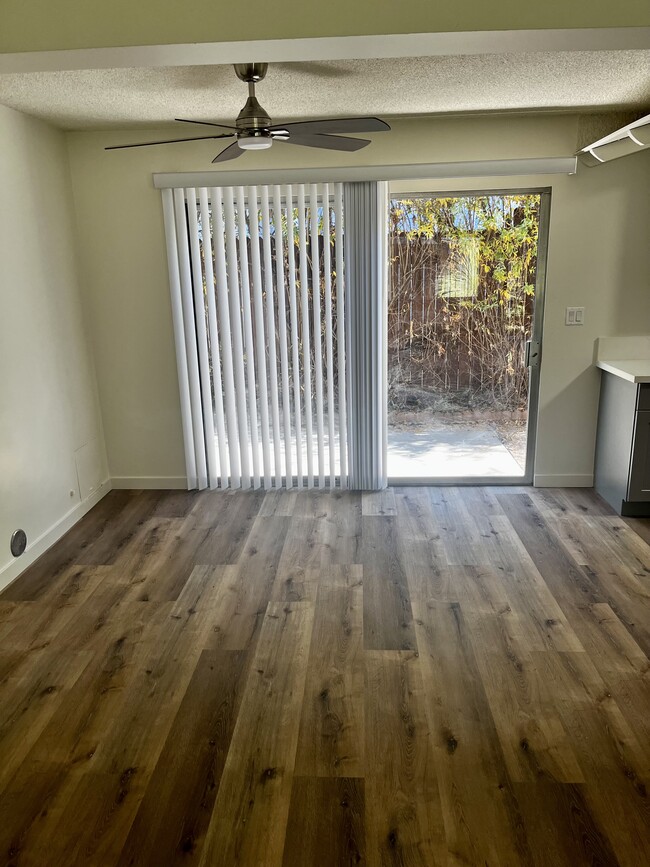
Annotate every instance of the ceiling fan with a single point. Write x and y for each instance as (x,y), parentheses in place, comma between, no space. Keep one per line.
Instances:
(254,130)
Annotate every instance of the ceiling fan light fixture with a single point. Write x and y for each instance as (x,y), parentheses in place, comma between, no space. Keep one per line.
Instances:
(254,142)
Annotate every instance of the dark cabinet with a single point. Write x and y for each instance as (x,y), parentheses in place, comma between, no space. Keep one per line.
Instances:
(639,488)
(622,469)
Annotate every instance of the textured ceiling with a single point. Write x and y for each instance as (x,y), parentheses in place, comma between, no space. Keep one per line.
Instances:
(96,99)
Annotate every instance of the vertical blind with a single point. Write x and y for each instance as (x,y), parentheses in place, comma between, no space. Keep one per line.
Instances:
(258,305)
(366,254)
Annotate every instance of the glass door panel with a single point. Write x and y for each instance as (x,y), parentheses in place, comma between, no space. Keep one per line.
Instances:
(464,308)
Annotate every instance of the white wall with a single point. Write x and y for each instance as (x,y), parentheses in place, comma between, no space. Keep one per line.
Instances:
(52,455)
(598,258)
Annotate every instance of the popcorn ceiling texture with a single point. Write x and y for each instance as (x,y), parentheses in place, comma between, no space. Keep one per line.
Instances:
(127,98)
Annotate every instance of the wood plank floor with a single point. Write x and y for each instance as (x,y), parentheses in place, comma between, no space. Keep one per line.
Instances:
(419,677)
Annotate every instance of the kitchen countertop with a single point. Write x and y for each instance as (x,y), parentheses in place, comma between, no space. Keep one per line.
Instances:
(632,369)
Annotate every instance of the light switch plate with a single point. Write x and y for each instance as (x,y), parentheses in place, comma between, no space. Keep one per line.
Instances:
(574,316)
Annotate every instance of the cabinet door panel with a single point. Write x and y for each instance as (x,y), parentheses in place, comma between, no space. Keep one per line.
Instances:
(639,487)
(644,396)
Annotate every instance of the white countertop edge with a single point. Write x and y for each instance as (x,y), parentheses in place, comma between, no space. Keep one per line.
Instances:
(633,370)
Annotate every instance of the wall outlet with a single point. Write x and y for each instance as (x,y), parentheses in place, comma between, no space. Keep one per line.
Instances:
(574,316)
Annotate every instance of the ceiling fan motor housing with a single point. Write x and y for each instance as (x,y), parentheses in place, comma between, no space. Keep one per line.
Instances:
(253,116)
(253,125)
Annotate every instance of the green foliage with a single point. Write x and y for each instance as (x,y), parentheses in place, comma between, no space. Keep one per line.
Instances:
(505,227)
(470,263)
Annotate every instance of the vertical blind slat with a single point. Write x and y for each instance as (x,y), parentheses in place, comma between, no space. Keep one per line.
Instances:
(258,306)
(318,346)
(329,359)
(226,341)
(190,339)
(304,310)
(236,326)
(213,331)
(249,345)
(282,333)
(271,337)
(295,337)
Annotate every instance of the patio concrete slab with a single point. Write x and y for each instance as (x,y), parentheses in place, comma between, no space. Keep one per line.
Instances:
(449,453)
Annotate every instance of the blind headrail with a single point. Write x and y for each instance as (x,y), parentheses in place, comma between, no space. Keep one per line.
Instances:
(416,171)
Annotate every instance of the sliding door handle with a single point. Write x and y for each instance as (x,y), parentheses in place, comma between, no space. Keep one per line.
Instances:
(532,353)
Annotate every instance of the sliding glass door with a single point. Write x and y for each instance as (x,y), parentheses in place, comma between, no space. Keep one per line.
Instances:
(464,320)
(328,337)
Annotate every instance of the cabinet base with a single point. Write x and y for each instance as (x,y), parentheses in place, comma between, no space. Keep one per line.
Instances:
(635,510)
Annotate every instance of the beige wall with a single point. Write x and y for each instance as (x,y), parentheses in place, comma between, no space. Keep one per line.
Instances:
(598,258)
(52,458)
(31,25)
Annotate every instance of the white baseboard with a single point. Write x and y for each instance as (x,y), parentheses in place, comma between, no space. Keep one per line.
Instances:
(39,546)
(149,483)
(563,481)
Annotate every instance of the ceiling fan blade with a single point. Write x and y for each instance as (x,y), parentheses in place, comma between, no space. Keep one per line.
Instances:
(146,144)
(205,123)
(230,153)
(334,125)
(328,142)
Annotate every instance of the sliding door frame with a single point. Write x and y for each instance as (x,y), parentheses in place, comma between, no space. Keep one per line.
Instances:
(536,337)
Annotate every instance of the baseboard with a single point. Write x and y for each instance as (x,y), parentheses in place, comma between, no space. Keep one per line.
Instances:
(39,546)
(563,481)
(149,483)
